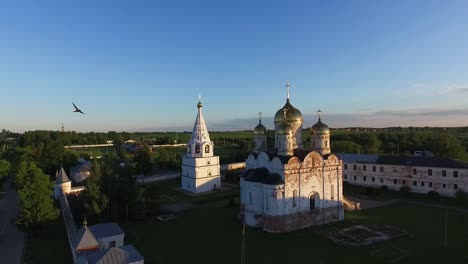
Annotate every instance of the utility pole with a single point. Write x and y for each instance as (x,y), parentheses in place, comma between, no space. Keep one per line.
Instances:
(243,241)
(446,227)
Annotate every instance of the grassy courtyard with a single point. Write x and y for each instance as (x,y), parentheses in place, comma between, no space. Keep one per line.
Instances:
(211,234)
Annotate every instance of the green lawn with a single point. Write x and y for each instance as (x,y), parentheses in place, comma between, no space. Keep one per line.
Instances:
(211,234)
(50,246)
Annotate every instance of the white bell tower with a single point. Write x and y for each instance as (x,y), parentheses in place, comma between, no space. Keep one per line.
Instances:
(200,169)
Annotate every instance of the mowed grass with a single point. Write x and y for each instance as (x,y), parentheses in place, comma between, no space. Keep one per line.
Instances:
(212,234)
(48,246)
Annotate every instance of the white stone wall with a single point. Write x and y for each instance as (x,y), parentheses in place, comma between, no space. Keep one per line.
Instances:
(252,199)
(200,174)
(105,242)
(62,187)
(420,182)
(322,178)
(260,143)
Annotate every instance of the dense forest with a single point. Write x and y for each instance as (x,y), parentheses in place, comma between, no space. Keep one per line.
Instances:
(47,147)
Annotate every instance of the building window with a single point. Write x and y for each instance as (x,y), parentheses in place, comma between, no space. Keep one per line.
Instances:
(355,177)
(207,149)
(209,173)
(404,182)
(346,176)
(430,184)
(189,149)
(415,183)
(394,181)
(332,194)
(250,198)
(364,178)
(111,244)
(326,144)
(374,168)
(346,166)
(422,184)
(381,180)
(455,174)
(429,172)
(395,170)
(354,167)
(197,148)
(373,179)
(294,198)
(455,186)
(415,171)
(381,169)
(443,185)
(364,167)
(444,173)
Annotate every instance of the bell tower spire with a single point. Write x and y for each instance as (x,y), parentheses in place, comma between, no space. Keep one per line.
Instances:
(200,168)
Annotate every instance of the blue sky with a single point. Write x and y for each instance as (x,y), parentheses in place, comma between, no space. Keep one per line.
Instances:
(140,65)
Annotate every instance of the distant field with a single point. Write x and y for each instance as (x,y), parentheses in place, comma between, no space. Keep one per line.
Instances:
(93,151)
(212,234)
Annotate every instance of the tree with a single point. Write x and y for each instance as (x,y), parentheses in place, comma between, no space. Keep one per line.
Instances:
(4,168)
(35,195)
(144,160)
(95,202)
(346,146)
(447,145)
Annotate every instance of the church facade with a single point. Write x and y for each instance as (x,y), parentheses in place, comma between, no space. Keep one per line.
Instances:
(200,168)
(291,187)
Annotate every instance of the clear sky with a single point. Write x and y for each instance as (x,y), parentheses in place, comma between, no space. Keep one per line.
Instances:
(140,65)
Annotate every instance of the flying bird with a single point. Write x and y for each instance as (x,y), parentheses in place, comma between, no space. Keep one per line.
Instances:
(77,110)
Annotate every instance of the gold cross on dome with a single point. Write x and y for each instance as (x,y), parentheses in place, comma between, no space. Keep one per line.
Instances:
(288,86)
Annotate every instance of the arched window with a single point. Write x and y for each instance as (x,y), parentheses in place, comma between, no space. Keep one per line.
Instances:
(197,148)
(332,192)
(207,149)
(294,198)
(326,143)
(312,202)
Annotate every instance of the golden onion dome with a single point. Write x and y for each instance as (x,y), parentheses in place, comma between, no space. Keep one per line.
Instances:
(292,113)
(284,128)
(260,129)
(320,128)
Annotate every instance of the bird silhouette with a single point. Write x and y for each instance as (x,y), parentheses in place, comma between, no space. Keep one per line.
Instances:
(77,109)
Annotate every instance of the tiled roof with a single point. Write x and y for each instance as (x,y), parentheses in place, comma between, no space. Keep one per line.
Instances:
(106,230)
(115,255)
(262,175)
(62,176)
(416,161)
(85,239)
(422,161)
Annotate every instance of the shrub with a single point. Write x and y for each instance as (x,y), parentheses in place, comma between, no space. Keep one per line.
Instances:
(405,189)
(461,196)
(433,194)
(384,188)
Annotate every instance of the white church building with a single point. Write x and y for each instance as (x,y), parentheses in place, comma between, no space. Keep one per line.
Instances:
(291,187)
(200,168)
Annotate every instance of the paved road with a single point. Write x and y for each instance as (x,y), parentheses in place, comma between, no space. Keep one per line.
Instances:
(11,239)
